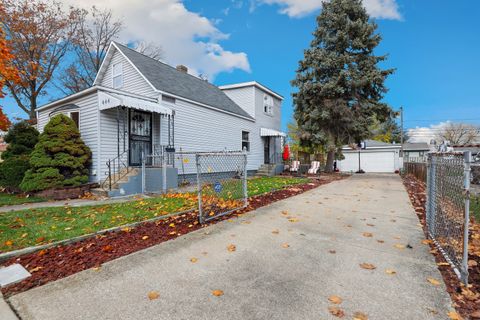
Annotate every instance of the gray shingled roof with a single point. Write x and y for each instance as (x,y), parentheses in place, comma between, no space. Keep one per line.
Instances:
(412,146)
(168,79)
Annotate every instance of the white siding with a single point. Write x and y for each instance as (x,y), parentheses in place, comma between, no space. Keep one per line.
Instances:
(244,97)
(201,129)
(132,80)
(88,125)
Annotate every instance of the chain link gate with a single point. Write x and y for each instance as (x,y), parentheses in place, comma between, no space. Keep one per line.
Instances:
(221,182)
(448,206)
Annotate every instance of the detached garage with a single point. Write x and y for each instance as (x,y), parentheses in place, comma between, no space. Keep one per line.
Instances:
(375,156)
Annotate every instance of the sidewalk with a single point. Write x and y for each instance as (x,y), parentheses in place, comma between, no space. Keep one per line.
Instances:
(285,266)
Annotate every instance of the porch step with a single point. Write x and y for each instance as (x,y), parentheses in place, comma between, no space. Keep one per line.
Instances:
(266,170)
(123,177)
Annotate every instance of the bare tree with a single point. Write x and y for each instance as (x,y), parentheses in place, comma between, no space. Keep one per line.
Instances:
(149,49)
(39,33)
(96,30)
(458,134)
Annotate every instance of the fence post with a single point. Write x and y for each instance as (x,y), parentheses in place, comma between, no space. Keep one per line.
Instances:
(143,172)
(164,172)
(199,188)
(467,155)
(245,184)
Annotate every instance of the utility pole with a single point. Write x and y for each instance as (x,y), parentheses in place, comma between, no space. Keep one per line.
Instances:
(401,125)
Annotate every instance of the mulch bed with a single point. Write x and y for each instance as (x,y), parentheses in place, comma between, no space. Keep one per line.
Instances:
(61,261)
(466,302)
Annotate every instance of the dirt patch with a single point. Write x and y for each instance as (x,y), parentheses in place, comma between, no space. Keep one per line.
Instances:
(61,261)
(465,300)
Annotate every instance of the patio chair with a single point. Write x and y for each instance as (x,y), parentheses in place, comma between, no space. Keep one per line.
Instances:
(314,168)
(295,166)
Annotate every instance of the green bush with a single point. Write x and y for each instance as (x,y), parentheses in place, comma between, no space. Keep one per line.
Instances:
(60,158)
(21,139)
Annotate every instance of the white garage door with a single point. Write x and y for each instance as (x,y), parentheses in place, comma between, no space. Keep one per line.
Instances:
(373,161)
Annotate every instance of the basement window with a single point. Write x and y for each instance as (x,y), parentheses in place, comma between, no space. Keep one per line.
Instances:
(117,75)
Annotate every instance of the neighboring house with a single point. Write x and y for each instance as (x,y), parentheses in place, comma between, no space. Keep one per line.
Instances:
(138,104)
(473,148)
(415,152)
(375,157)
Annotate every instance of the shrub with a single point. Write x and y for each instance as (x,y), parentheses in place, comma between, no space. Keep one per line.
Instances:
(21,139)
(59,159)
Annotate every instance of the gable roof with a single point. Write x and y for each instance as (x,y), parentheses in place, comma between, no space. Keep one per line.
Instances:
(168,79)
(251,84)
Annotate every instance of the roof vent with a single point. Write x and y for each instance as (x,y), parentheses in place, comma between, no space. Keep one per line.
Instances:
(182,68)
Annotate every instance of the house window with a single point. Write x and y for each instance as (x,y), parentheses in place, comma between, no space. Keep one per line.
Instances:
(75,116)
(268,104)
(246,140)
(117,75)
(168,99)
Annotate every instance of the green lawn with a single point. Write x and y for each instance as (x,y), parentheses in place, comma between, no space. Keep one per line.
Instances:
(13,199)
(19,229)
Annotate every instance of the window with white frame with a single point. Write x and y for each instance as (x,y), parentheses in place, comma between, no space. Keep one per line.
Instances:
(75,116)
(268,104)
(117,75)
(246,140)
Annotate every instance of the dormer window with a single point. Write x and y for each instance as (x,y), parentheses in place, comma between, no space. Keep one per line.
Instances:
(268,104)
(117,75)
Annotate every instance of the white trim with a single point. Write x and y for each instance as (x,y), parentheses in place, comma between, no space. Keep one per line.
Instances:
(131,63)
(70,116)
(251,84)
(108,101)
(103,62)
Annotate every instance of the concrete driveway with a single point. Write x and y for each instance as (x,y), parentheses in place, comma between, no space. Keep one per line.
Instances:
(289,274)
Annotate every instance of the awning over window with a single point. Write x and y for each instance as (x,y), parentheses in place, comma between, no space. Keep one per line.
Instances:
(264,132)
(112,100)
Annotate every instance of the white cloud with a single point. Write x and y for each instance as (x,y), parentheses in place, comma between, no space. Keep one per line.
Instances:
(186,37)
(384,9)
(425,134)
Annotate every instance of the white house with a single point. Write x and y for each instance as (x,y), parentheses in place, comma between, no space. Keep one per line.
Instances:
(376,156)
(138,104)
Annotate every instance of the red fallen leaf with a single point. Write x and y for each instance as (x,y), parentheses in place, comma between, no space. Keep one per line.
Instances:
(41,239)
(217,293)
(337,312)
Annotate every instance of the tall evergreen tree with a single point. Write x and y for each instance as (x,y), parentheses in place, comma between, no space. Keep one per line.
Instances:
(340,85)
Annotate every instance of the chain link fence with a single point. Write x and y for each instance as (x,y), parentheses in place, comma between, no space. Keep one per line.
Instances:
(214,183)
(221,183)
(448,196)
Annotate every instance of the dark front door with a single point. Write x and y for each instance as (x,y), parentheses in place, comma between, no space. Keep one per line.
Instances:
(266,150)
(140,136)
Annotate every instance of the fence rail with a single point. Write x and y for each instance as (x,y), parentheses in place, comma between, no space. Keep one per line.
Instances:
(448,206)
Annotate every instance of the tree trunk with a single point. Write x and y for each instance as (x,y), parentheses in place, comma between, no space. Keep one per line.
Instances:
(330,160)
(33,108)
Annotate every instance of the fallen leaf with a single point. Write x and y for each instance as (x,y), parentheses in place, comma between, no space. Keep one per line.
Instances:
(285,245)
(367,266)
(193,260)
(152,295)
(370,225)
(475,314)
(337,312)
(433,281)
(107,248)
(443,264)
(68,228)
(390,271)
(454,315)
(276,231)
(335,299)
(427,241)
(172,225)
(35,269)
(217,293)
(9,243)
(231,247)
(399,246)
(368,234)
(472,263)
(293,220)
(380,241)
(332,251)
(360,316)
(144,237)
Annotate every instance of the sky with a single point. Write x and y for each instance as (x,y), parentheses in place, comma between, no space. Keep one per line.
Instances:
(433,45)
